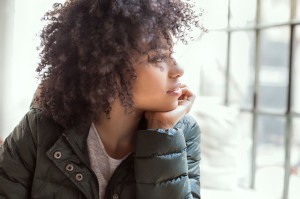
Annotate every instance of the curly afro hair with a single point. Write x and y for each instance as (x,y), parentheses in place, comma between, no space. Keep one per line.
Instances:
(85,47)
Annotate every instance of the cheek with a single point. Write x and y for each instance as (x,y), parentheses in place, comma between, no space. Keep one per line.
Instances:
(153,97)
(150,77)
(152,80)
(150,90)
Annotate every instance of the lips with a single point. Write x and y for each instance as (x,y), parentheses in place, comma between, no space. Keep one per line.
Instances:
(176,91)
(177,86)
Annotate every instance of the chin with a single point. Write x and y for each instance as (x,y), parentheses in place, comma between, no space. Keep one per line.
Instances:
(161,106)
(171,106)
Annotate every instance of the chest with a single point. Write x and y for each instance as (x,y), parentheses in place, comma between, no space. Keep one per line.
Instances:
(63,173)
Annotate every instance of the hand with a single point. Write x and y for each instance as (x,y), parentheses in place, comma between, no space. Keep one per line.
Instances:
(166,120)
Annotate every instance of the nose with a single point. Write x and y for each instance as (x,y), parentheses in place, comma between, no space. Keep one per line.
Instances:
(175,70)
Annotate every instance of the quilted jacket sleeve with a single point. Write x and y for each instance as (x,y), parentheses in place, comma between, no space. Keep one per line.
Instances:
(17,158)
(167,163)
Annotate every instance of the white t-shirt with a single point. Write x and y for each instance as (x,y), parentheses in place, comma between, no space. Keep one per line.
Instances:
(101,163)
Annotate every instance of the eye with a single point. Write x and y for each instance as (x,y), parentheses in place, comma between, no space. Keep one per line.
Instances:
(158,59)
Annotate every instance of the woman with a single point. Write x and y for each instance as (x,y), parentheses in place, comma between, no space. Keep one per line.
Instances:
(110,117)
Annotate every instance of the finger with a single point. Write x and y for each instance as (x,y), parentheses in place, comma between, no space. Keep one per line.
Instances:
(187,94)
(183,85)
(186,91)
(188,101)
(180,101)
(182,98)
(182,109)
(186,105)
(187,97)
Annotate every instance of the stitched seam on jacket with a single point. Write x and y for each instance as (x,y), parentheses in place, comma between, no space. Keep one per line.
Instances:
(166,180)
(161,155)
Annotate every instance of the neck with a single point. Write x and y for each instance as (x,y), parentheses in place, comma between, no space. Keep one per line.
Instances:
(117,133)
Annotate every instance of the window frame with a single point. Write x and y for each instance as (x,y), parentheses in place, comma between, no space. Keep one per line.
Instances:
(289,115)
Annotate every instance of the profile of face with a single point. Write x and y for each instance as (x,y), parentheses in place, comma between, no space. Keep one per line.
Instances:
(154,79)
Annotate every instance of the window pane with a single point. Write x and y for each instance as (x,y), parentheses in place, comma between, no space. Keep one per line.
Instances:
(242,68)
(244,148)
(296,73)
(242,13)
(297,16)
(190,58)
(216,13)
(273,79)
(275,11)
(270,155)
(213,54)
(294,191)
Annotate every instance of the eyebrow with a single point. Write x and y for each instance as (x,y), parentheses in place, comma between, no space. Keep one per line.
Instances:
(163,47)
(160,46)
(155,52)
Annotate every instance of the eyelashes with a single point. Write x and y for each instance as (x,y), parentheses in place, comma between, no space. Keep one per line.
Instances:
(157,59)
(161,61)
(158,62)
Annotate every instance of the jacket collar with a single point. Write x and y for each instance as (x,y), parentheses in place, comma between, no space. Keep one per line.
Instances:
(71,148)
(77,138)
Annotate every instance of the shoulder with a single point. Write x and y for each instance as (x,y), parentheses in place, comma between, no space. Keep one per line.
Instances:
(190,128)
(32,131)
(35,118)
(187,121)
(42,128)
(192,135)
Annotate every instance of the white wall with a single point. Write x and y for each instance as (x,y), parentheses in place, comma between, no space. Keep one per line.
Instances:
(19,77)
(6,49)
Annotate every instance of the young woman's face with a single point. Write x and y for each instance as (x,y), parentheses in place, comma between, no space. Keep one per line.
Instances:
(154,79)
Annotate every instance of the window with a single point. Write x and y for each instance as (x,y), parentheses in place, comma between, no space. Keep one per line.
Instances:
(254,54)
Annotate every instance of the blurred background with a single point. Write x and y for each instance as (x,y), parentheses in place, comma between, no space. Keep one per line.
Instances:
(245,72)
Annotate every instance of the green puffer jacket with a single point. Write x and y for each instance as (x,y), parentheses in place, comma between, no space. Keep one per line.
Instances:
(41,159)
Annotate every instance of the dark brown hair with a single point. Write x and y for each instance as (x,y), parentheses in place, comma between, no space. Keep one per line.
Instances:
(85,47)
